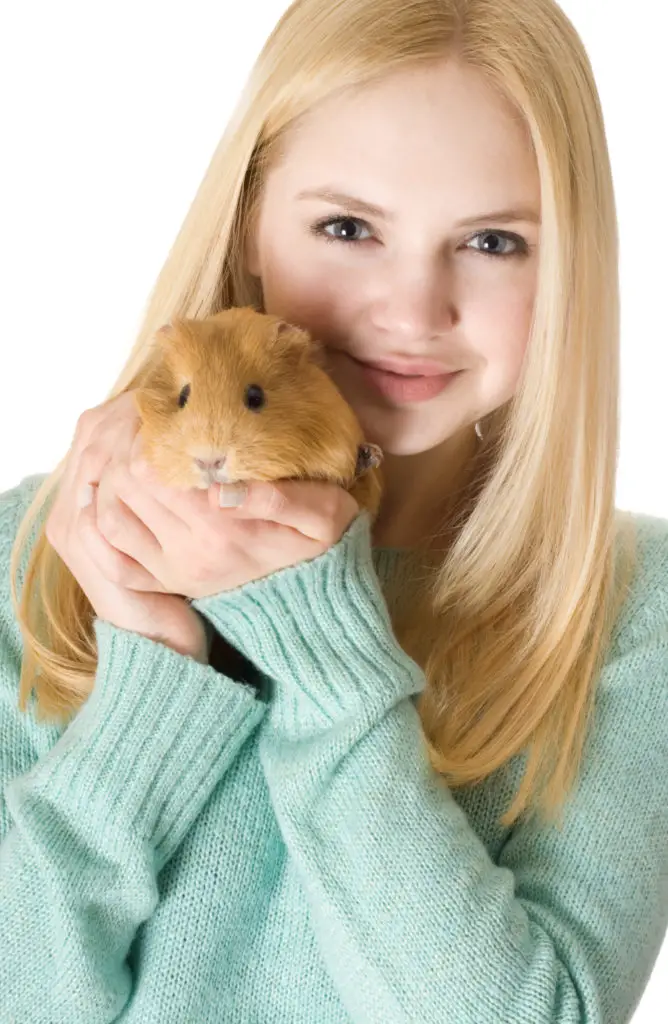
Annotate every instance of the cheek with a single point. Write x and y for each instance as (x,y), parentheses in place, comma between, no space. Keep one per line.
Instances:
(502,337)
(303,290)
(287,277)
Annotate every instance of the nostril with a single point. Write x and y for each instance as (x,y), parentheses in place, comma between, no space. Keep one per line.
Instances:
(209,464)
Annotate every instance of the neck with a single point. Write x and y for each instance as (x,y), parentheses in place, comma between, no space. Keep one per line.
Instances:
(419,490)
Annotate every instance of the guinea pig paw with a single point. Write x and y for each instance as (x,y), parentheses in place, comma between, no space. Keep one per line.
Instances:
(368,456)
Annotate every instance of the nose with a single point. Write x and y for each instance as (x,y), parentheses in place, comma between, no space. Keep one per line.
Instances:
(415,304)
(210,465)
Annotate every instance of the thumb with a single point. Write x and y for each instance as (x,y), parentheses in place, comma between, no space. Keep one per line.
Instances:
(259,499)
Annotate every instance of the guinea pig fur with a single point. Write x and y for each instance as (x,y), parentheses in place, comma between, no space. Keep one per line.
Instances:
(242,395)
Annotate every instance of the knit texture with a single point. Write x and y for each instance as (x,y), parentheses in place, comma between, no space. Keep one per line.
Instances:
(190,851)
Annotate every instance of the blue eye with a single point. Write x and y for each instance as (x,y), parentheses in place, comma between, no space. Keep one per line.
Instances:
(505,236)
(347,221)
(521,247)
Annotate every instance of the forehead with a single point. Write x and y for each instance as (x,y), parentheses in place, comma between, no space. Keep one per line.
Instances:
(438,129)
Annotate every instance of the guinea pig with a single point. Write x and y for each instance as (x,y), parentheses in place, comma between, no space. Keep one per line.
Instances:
(243,395)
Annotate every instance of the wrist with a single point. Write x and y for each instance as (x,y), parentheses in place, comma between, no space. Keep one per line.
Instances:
(320,633)
(190,638)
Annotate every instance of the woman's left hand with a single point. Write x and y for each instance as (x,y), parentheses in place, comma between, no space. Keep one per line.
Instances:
(193,547)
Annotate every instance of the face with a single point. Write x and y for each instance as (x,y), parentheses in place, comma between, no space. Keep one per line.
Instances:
(407,281)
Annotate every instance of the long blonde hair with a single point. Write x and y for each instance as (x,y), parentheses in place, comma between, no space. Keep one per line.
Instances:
(527,595)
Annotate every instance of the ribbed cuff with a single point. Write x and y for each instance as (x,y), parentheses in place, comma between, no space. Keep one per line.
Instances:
(156,733)
(321,630)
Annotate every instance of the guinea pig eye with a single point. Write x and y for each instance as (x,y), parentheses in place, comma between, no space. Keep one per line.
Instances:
(254,397)
(184,395)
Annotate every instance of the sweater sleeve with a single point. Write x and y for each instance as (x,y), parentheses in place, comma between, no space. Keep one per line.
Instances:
(414,919)
(91,812)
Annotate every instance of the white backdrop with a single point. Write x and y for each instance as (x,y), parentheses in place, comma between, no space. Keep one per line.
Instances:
(108,119)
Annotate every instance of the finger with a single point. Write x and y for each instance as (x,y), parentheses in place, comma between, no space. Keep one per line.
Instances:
(98,433)
(123,529)
(115,413)
(113,565)
(317,509)
(139,497)
(104,435)
(183,504)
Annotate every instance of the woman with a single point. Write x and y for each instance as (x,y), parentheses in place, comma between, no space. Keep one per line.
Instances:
(470,825)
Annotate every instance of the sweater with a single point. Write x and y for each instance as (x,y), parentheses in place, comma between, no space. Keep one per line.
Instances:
(191,850)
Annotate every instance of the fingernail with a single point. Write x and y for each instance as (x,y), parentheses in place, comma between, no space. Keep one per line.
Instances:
(85,496)
(231,495)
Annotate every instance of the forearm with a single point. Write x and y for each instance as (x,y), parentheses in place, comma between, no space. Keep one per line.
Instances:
(95,819)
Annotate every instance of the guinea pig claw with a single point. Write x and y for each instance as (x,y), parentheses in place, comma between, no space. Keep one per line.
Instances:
(368,456)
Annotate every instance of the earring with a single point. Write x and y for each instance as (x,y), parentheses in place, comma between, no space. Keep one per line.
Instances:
(478,430)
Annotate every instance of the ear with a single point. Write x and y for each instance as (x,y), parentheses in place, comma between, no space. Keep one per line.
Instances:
(294,341)
(368,457)
(290,333)
(167,334)
(170,327)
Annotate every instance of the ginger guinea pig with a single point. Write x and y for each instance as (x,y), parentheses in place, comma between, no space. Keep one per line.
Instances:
(242,395)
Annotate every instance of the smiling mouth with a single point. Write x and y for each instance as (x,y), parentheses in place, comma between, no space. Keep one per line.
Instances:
(418,368)
(424,369)
(402,389)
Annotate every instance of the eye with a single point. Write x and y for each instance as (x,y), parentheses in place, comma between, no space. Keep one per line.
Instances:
(502,237)
(519,246)
(350,224)
(184,395)
(254,398)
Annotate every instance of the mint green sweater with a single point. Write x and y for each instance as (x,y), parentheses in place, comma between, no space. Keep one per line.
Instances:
(191,851)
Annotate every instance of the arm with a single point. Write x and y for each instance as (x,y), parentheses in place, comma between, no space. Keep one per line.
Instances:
(90,814)
(88,826)
(414,919)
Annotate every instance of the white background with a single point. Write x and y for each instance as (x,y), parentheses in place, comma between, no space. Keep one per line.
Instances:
(108,118)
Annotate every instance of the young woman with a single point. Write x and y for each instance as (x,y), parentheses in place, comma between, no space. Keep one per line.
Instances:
(470,825)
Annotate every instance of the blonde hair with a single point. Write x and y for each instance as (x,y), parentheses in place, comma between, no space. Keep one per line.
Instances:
(527,595)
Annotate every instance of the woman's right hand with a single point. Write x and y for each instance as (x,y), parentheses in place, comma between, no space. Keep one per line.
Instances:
(105,435)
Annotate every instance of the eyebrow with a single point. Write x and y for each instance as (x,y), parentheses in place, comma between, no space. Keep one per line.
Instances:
(517,213)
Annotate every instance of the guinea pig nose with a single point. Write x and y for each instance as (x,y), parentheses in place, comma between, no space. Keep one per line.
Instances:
(211,464)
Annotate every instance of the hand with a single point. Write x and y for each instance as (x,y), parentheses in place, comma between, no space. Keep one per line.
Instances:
(103,438)
(195,548)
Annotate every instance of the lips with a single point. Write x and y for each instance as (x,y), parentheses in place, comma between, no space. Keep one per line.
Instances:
(402,387)
(408,368)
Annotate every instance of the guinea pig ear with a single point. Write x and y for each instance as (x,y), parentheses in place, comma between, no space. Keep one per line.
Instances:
(166,338)
(294,340)
(169,328)
(368,456)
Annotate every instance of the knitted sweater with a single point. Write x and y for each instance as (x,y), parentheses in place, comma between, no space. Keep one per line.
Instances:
(187,852)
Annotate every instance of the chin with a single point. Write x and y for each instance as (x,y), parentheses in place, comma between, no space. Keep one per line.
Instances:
(409,445)
(399,432)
